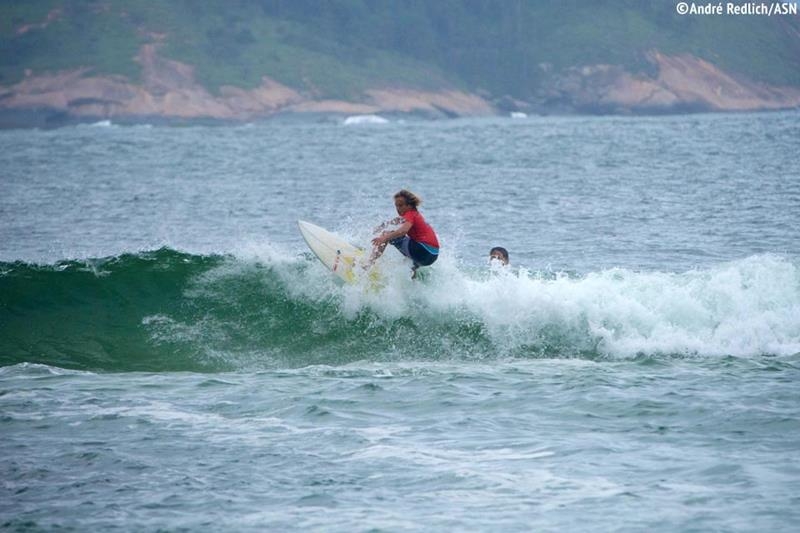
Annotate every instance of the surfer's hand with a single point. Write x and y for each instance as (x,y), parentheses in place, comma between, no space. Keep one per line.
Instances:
(381,239)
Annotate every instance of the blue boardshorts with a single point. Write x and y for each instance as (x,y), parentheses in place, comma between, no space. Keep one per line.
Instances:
(421,254)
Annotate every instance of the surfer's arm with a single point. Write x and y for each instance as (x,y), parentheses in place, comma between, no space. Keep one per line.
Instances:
(387,236)
(393,222)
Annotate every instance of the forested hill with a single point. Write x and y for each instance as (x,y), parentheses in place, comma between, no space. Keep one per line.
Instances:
(598,56)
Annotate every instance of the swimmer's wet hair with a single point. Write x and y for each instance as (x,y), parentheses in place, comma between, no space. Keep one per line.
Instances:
(411,199)
(500,250)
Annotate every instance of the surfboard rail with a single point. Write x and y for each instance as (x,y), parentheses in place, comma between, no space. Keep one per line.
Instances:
(338,255)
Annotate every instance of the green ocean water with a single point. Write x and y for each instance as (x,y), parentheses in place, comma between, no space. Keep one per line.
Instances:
(172,356)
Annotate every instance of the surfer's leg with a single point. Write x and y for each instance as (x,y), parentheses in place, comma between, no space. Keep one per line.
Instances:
(377,251)
(420,255)
(402,244)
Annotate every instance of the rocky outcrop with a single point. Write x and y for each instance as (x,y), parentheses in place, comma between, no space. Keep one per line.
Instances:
(169,90)
(445,103)
(682,83)
(448,102)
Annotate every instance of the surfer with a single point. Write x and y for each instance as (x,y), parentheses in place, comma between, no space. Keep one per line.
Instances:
(414,237)
(498,253)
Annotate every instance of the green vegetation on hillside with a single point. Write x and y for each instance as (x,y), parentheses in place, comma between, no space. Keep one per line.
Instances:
(50,35)
(236,43)
(338,48)
(506,46)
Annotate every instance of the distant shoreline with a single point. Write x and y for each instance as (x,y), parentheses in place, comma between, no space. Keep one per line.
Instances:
(50,119)
(169,93)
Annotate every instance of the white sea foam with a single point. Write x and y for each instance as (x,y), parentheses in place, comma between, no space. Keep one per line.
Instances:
(748,307)
(356,120)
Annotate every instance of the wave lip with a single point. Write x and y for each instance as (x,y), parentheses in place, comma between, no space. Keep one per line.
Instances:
(166,310)
(360,120)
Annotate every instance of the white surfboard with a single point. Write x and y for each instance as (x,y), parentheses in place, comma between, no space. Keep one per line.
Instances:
(341,257)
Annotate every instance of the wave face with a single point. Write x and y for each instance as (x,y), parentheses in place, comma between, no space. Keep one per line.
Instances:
(171,311)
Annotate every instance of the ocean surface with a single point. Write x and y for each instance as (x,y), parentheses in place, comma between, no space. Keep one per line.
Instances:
(173,358)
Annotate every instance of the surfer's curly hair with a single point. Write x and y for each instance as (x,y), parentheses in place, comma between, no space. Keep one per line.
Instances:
(411,199)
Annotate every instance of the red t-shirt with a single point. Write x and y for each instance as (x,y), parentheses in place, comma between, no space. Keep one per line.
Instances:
(420,230)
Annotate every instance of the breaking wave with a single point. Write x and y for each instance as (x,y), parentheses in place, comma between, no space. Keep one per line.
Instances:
(167,310)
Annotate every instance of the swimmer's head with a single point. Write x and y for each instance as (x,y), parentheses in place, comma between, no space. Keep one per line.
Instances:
(498,253)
